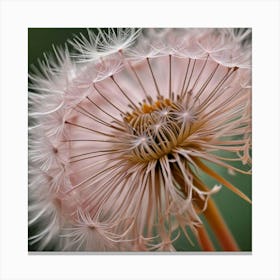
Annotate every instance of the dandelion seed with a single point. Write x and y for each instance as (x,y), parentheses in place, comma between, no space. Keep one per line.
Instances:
(122,129)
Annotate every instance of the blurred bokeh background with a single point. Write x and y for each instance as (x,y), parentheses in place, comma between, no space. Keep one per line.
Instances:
(236,212)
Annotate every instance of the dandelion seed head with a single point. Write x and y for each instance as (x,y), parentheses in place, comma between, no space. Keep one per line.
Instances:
(121,138)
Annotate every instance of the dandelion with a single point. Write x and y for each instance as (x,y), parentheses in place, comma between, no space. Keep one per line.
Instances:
(122,129)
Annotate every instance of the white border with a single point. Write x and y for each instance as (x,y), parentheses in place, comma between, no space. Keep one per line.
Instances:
(17,16)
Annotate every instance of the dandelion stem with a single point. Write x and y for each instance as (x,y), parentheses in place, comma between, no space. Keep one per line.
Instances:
(204,240)
(219,227)
(216,221)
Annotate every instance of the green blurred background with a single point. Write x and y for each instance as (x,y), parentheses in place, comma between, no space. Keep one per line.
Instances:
(236,212)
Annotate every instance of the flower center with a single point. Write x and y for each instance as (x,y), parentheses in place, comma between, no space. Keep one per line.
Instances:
(157,128)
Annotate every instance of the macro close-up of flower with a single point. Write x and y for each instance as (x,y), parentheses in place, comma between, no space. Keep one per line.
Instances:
(133,133)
